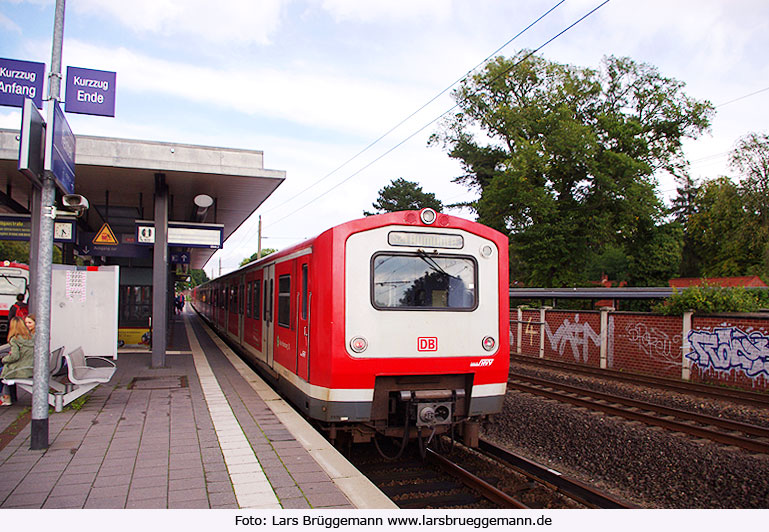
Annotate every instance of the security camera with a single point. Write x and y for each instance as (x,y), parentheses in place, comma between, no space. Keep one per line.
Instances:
(76,203)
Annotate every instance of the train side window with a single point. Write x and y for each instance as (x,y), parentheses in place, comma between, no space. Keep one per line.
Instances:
(257,299)
(284,301)
(304,291)
(271,298)
(241,288)
(266,304)
(248,299)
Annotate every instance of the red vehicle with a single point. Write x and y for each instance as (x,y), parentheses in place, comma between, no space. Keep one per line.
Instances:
(394,324)
(14,280)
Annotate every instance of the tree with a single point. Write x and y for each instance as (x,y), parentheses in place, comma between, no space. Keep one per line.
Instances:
(402,195)
(18,251)
(253,257)
(722,232)
(198,277)
(684,206)
(751,158)
(564,160)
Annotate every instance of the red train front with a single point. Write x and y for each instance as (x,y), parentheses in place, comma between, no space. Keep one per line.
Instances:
(394,324)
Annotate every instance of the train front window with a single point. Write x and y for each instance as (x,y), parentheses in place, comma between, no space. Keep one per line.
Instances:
(423,281)
(12,286)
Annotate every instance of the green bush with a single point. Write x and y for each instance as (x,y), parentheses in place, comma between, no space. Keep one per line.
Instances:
(711,299)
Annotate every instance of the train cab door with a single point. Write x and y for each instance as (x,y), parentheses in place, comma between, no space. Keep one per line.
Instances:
(304,296)
(268,322)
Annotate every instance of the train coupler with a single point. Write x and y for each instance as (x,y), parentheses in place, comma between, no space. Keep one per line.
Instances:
(428,408)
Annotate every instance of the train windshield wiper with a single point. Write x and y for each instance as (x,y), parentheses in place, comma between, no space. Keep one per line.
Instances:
(433,264)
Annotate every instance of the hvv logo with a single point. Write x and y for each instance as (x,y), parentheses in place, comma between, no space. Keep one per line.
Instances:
(427,343)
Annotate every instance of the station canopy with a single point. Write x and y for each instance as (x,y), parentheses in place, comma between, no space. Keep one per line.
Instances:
(118,178)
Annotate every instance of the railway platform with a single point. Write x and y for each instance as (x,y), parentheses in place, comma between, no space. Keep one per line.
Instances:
(203,432)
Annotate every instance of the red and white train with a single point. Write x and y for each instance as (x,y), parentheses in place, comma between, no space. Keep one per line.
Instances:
(394,324)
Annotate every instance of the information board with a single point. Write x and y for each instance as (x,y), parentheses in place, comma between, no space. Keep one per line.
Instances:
(60,149)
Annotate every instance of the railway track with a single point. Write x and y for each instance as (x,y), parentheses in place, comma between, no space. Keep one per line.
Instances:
(435,482)
(487,477)
(572,488)
(705,390)
(750,437)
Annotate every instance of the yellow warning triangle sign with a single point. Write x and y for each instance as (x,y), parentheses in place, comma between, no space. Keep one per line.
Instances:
(105,236)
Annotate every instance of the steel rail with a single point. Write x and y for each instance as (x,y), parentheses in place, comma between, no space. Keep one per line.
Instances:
(704,419)
(728,439)
(484,488)
(554,479)
(742,396)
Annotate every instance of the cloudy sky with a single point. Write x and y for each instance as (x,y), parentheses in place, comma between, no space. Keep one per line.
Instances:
(313,83)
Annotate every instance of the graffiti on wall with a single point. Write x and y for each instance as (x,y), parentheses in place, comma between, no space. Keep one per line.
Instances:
(574,336)
(654,343)
(727,348)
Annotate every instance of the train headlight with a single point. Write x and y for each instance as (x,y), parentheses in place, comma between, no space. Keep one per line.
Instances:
(489,343)
(428,216)
(358,344)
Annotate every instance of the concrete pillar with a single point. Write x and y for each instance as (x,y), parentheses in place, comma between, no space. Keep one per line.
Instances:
(542,333)
(605,336)
(520,330)
(686,363)
(160,274)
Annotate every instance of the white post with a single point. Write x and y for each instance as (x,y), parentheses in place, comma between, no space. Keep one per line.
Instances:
(605,336)
(520,330)
(542,331)
(686,363)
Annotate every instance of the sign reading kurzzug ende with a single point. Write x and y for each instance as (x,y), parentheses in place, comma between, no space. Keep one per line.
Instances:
(90,92)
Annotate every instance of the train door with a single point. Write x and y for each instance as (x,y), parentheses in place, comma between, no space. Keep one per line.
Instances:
(241,308)
(268,330)
(218,311)
(253,335)
(303,319)
(284,316)
(232,311)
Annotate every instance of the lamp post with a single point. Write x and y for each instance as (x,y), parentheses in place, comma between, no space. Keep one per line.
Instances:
(39,420)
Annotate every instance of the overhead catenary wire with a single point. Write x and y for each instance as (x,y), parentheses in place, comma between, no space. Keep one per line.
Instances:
(742,97)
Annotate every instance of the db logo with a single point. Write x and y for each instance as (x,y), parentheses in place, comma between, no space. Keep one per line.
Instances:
(427,343)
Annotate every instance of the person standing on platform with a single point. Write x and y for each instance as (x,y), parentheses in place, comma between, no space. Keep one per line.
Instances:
(30,321)
(18,309)
(18,364)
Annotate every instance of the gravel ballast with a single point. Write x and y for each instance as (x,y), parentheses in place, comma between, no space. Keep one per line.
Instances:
(648,466)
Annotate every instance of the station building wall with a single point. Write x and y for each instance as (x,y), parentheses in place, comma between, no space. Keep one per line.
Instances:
(729,349)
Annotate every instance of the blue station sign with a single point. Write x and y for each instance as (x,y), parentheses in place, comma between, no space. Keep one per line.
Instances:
(90,92)
(19,80)
(60,149)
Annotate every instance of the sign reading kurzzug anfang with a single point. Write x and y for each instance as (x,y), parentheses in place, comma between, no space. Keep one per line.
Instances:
(19,80)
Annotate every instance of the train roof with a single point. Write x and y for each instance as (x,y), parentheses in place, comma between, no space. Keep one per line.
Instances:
(407,218)
(11,264)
